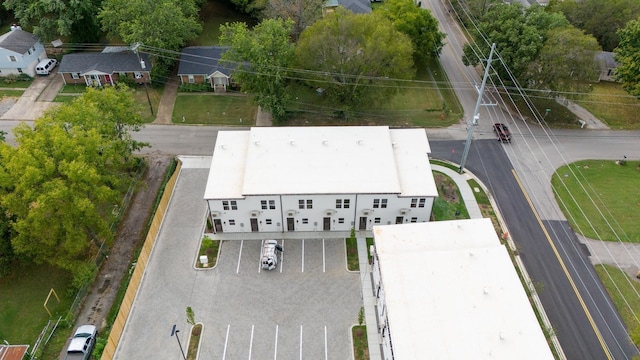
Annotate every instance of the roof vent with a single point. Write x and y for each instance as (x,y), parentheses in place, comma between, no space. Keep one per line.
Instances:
(292,142)
(360,141)
(325,142)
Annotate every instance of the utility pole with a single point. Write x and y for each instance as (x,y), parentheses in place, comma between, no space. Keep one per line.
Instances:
(142,65)
(476,111)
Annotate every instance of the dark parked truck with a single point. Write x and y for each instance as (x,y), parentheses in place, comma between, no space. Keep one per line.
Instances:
(82,343)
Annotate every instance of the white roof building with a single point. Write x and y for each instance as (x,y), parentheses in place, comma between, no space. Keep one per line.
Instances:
(448,290)
(321,164)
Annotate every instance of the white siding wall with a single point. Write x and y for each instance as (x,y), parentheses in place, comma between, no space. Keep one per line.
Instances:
(381,310)
(27,62)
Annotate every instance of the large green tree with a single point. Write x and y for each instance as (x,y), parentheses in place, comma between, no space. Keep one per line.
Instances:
(418,24)
(262,56)
(628,57)
(62,179)
(566,62)
(600,18)
(52,18)
(302,12)
(351,56)
(165,24)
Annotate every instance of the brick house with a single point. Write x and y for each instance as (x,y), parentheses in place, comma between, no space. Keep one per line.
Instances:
(105,68)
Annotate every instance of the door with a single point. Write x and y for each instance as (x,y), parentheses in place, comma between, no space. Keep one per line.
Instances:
(326,224)
(363,223)
(107,79)
(399,219)
(254,224)
(217,224)
(290,224)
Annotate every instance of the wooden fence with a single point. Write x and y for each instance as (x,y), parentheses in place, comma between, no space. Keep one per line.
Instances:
(136,278)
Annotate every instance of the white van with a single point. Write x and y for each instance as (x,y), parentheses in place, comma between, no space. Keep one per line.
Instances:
(45,66)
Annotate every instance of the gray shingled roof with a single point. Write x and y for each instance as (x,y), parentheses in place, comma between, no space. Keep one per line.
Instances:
(108,63)
(356,6)
(606,60)
(18,41)
(203,60)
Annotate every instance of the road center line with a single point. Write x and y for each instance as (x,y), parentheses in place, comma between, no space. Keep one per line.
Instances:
(226,339)
(564,269)
(239,256)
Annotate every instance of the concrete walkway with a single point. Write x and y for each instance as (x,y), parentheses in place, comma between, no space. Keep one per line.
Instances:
(29,106)
(167,102)
(590,121)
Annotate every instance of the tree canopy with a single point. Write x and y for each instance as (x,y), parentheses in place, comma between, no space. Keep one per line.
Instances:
(52,18)
(351,56)
(262,56)
(166,24)
(61,181)
(302,12)
(628,56)
(418,24)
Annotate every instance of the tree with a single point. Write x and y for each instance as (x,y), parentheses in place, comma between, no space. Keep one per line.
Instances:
(52,18)
(351,56)
(628,56)
(517,42)
(166,24)
(303,13)
(566,62)
(263,56)
(61,180)
(418,24)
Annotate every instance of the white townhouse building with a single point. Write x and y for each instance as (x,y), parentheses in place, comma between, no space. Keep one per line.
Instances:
(20,52)
(448,290)
(283,179)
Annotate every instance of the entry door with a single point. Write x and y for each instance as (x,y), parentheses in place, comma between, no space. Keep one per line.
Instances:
(217,224)
(107,79)
(399,219)
(363,223)
(290,222)
(326,224)
(254,224)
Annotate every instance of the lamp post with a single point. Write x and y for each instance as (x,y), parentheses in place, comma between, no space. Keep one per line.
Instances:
(175,332)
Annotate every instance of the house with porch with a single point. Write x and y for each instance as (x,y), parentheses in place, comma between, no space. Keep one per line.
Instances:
(105,68)
(297,179)
(201,65)
(20,52)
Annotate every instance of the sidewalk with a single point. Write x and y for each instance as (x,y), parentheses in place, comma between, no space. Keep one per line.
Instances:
(590,121)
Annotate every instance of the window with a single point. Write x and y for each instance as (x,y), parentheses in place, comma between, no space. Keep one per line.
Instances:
(309,204)
(384,204)
(234,205)
(225,205)
(300,204)
(229,205)
(422,202)
(75,76)
(376,220)
(376,203)
(380,203)
(414,219)
(232,222)
(340,220)
(263,204)
(305,221)
(29,51)
(346,203)
(268,221)
(191,79)
(414,203)
(272,204)
(20,70)
(138,75)
(12,58)
(338,203)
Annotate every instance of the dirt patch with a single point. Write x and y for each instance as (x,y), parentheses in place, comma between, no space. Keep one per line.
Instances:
(130,233)
(447,188)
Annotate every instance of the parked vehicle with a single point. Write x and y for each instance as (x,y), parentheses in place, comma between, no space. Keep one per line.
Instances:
(269,257)
(502,131)
(45,67)
(82,343)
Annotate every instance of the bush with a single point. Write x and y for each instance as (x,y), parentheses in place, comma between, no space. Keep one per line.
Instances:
(195,88)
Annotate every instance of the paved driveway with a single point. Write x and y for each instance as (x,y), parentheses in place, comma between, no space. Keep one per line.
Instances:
(302,309)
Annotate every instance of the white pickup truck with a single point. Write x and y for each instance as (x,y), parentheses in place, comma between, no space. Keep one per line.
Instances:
(82,343)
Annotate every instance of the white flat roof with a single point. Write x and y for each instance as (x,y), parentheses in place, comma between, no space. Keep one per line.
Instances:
(320,160)
(452,292)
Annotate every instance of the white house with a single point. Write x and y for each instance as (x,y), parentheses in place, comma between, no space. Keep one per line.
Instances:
(20,52)
(281,179)
(448,290)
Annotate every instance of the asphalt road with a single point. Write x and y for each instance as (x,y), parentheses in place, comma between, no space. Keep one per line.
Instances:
(576,304)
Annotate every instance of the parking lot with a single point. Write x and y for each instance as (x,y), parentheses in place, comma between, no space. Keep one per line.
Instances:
(303,309)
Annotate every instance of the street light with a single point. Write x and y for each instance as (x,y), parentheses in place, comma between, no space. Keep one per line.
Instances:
(175,332)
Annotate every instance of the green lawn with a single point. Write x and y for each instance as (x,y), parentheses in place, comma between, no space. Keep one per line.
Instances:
(64,98)
(611,198)
(10,93)
(558,116)
(24,290)
(213,14)
(448,205)
(614,106)
(623,290)
(211,109)
(20,84)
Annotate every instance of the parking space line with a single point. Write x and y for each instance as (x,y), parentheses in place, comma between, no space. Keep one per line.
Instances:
(275,351)
(323,258)
(302,255)
(300,342)
(251,341)
(326,353)
(239,256)
(282,256)
(226,340)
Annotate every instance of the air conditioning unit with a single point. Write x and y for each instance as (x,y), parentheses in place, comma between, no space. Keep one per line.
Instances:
(404,211)
(255,213)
